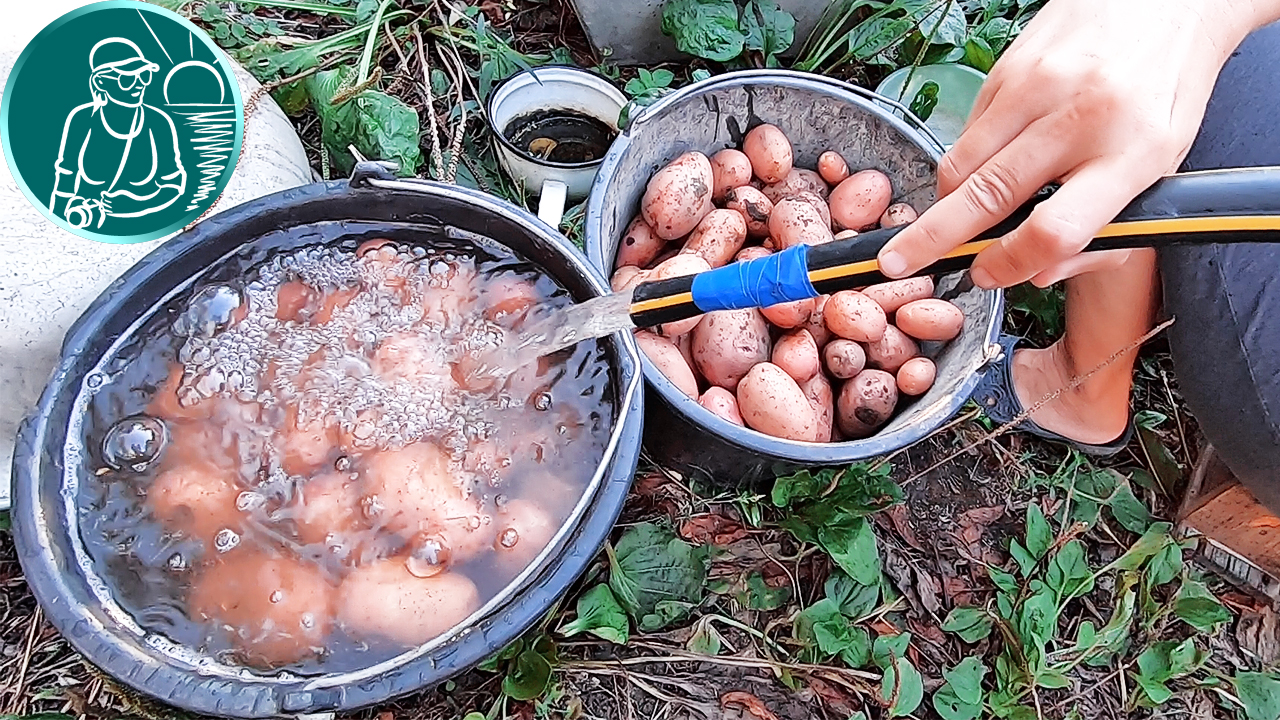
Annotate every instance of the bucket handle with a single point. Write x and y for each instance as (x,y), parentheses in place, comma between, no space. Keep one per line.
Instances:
(728,78)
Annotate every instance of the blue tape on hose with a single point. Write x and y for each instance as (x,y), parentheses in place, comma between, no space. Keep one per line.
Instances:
(762,282)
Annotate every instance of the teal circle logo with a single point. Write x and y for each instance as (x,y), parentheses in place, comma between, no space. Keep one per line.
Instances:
(122,122)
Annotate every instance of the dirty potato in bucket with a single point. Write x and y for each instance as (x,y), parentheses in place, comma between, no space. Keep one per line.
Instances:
(826,369)
(338,475)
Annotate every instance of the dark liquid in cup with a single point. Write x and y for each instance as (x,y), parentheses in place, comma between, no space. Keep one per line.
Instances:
(560,136)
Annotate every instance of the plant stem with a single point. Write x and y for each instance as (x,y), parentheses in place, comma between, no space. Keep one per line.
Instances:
(924,48)
(367,58)
(320,8)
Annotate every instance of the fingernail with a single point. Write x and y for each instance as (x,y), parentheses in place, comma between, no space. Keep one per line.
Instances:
(893,264)
(982,278)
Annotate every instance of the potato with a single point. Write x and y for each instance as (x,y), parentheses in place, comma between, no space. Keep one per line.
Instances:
(895,294)
(897,215)
(679,266)
(832,167)
(752,253)
(916,376)
(818,390)
(865,403)
(844,358)
(797,354)
(718,237)
(685,344)
(817,323)
(772,403)
(309,444)
(196,499)
(818,204)
(755,209)
(524,529)
(672,250)
(861,199)
(293,298)
(279,610)
(508,296)
(930,319)
(665,356)
(385,601)
(627,277)
(729,169)
(727,343)
(797,181)
(854,316)
(770,153)
(789,314)
(721,403)
(413,489)
(328,509)
(846,234)
(892,350)
(679,196)
(795,221)
(639,245)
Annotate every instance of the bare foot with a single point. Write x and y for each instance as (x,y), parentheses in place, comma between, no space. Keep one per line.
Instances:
(1095,413)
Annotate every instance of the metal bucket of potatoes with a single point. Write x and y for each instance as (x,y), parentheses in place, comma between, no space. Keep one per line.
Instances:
(235,593)
(816,115)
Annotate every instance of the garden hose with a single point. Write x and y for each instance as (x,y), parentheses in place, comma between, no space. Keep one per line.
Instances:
(1200,208)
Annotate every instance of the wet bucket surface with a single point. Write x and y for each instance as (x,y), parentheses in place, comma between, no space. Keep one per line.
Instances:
(49,531)
(817,115)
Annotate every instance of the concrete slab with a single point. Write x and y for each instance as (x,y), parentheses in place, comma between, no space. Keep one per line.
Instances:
(50,276)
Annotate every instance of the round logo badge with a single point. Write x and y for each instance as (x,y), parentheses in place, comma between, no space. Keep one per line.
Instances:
(122,122)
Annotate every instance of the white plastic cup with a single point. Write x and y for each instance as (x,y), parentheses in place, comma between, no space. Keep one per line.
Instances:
(551,88)
(958,87)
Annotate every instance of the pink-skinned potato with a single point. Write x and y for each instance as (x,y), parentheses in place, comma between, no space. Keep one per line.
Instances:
(844,359)
(897,215)
(772,402)
(860,200)
(892,350)
(916,376)
(627,277)
(930,319)
(832,167)
(854,316)
(822,400)
(817,324)
(797,354)
(722,404)
(796,221)
(679,196)
(665,355)
(718,237)
(770,153)
(755,209)
(789,314)
(752,253)
(846,234)
(728,343)
(797,181)
(679,266)
(894,294)
(729,169)
(865,403)
(639,245)
(818,204)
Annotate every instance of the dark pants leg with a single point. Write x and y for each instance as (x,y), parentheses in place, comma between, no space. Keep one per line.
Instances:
(1226,298)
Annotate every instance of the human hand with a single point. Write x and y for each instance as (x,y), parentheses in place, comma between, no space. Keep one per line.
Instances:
(1105,97)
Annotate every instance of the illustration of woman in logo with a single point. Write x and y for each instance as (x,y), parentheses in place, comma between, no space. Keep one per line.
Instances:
(119,156)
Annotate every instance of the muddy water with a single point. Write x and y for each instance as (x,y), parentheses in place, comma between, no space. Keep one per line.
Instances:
(296,465)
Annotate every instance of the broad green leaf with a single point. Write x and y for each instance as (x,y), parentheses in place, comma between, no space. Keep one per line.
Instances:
(951,707)
(978,54)
(665,613)
(705,639)
(529,678)
(901,676)
(887,645)
(705,28)
(650,567)
(800,486)
(998,32)
(923,104)
(1039,534)
(965,680)
(853,598)
(853,547)
(1260,695)
(1151,543)
(600,614)
(1113,636)
(1003,581)
(494,663)
(1163,464)
(1026,561)
(365,10)
(1164,566)
(946,24)
(1149,419)
(1196,606)
(1155,692)
(759,596)
(1036,623)
(379,126)
(475,716)
(877,35)
(803,628)
(1129,511)
(1052,680)
(1086,636)
(971,624)
(1069,575)
(837,636)
(769,29)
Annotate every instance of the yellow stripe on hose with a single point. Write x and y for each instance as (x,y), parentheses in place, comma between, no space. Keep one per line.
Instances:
(1170,226)
(659,303)
(870,266)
